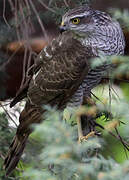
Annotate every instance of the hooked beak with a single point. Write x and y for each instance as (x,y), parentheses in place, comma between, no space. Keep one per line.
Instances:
(62,27)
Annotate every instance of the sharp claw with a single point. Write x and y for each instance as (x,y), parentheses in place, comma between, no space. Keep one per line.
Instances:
(85,138)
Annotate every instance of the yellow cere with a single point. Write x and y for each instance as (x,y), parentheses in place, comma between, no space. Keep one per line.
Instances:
(76,20)
(62,23)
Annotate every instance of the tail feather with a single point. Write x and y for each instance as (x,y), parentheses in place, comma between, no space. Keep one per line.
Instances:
(31,114)
(15,151)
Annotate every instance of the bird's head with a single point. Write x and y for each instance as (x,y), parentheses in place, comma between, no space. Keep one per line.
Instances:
(94,28)
(83,21)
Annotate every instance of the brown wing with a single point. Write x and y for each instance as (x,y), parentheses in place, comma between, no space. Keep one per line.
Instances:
(61,67)
(64,66)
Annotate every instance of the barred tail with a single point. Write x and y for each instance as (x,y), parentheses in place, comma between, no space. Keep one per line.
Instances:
(31,114)
(15,152)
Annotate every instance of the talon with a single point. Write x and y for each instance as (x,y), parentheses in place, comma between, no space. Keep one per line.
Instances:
(85,138)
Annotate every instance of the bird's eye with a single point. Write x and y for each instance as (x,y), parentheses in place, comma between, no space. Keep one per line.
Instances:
(76,20)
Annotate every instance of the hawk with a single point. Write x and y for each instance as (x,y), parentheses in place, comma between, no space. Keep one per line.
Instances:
(62,75)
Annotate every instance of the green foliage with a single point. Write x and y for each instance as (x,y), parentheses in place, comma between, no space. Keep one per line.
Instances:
(120,64)
(121,16)
(6,135)
(63,158)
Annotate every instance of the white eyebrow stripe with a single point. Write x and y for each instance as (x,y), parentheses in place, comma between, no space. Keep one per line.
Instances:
(82,15)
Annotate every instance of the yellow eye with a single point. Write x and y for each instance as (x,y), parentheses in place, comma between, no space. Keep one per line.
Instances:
(76,20)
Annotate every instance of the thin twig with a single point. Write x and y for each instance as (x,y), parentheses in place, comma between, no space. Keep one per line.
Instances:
(17,20)
(121,139)
(66,4)
(110,96)
(2,156)
(8,114)
(126,145)
(26,45)
(39,20)
(48,8)
(4,7)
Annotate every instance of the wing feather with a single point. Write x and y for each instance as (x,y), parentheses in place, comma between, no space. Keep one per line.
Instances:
(64,66)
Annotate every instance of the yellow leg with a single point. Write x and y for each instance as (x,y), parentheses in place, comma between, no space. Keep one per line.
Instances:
(85,138)
(80,133)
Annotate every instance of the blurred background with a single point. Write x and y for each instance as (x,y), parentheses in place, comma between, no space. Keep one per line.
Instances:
(26,27)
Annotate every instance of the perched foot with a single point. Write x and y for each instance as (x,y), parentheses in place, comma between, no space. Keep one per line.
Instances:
(86,112)
(85,138)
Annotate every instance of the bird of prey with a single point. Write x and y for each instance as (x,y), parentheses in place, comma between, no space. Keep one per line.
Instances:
(62,74)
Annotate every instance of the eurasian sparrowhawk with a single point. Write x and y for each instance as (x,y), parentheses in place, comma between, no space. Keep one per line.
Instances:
(62,74)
